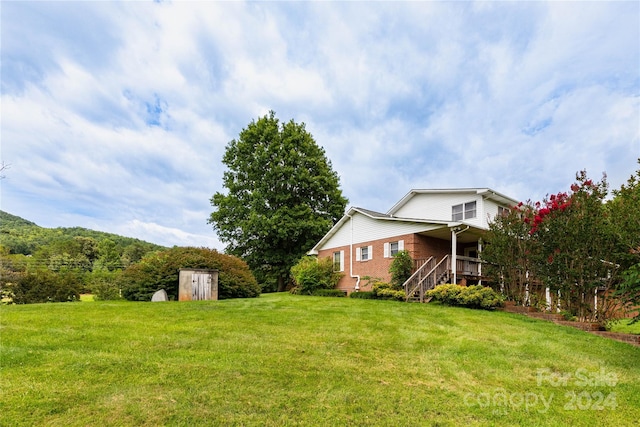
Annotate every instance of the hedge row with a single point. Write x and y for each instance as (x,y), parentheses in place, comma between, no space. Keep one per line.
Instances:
(476,296)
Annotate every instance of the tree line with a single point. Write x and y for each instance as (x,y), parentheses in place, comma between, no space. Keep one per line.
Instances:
(62,263)
(39,264)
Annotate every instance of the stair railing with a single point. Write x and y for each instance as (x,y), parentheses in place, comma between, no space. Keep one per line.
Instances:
(426,277)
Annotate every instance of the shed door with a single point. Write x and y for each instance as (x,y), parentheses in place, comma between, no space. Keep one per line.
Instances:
(201,286)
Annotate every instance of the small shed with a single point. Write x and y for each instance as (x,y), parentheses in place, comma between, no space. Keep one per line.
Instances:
(198,284)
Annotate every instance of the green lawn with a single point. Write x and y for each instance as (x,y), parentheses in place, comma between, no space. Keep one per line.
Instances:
(86,298)
(626,326)
(291,360)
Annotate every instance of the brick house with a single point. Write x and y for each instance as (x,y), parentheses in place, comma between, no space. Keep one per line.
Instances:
(440,228)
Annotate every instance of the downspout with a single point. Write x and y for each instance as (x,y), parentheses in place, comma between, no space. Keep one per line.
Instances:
(454,251)
(353,276)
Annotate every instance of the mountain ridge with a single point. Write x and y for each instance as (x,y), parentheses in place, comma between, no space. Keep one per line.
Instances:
(21,236)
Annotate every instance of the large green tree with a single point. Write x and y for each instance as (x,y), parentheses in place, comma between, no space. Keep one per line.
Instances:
(624,210)
(508,252)
(571,242)
(575,251)
(282,197)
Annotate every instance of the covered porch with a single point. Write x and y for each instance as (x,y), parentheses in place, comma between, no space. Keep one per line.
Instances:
(460,263)
(468,268)
(464,246)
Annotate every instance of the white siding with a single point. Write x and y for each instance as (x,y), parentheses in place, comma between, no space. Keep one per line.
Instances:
(342,237)
(438,207)
(366,229)
(490,211)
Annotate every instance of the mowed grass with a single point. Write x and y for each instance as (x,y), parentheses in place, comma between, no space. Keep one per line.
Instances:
(626,326)
(292,360)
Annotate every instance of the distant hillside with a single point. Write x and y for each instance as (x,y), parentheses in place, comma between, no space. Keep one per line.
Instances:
(11,221)
(20,236)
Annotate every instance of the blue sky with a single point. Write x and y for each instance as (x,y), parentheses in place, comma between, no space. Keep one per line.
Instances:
(115,116)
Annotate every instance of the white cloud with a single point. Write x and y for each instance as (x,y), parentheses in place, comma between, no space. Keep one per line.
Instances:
(166,236)
(117,114)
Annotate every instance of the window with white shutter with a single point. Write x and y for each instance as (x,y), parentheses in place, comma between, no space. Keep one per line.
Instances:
(392,248)
(364,253)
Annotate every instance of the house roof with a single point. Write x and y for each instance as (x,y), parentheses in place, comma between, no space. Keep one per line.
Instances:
(374,215)
(485,192)
(389,216)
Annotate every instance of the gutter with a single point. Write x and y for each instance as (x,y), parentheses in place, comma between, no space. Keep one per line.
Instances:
(462,231)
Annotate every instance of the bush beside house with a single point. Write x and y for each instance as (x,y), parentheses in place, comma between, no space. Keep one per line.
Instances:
(312,274)
(476,296)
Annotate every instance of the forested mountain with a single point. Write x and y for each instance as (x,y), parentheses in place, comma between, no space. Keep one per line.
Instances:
(8,221)
(24,244)
(20,236)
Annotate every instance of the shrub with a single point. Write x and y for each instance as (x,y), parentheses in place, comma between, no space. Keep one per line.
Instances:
(160,270)
(476,296)
(401,268)
(328,293)
(45,286)
(384,290)
(268,283)
(480,297)
(10,274)
(446,294)
(362,295)
(105,284)
(311,274)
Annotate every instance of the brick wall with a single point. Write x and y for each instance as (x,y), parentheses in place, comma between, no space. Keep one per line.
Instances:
(420,247)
